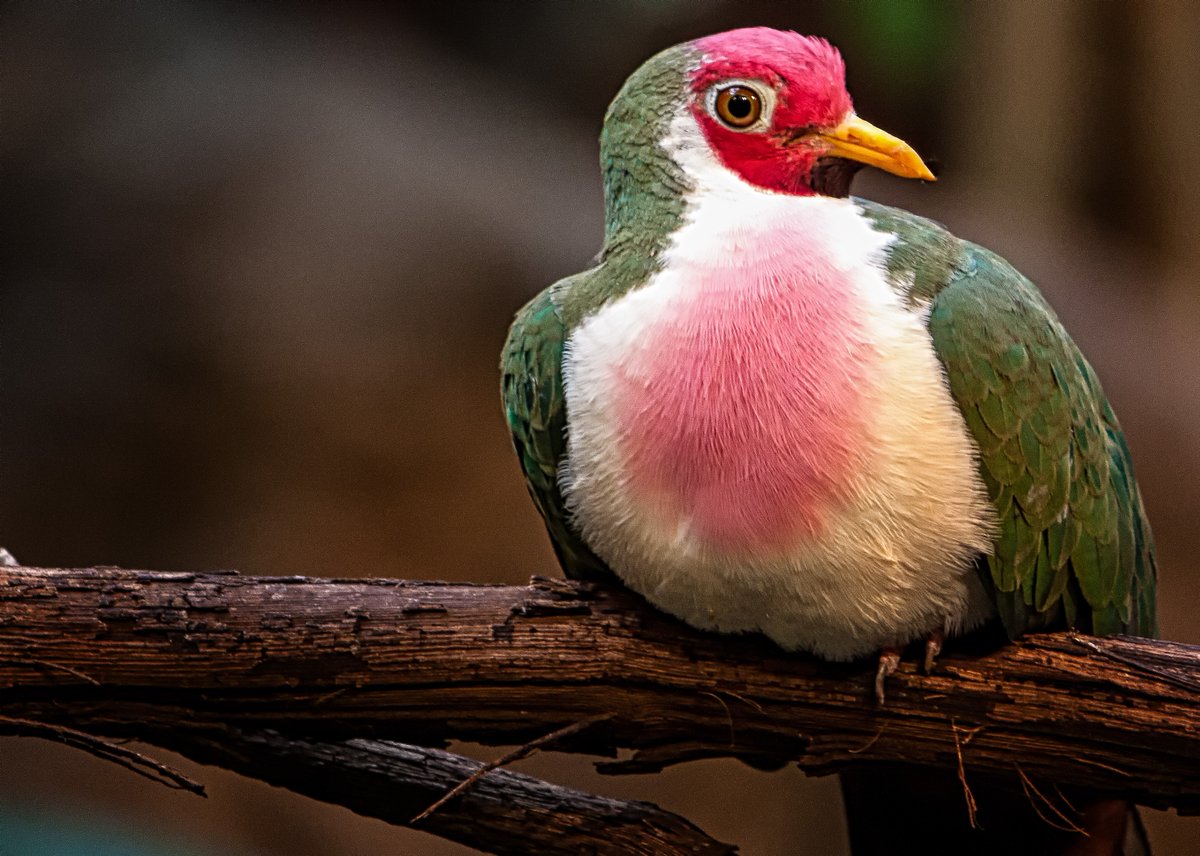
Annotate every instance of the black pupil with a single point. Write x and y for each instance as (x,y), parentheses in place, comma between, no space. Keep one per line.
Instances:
(739,105)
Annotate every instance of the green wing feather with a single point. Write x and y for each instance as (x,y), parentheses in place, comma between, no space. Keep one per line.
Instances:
(1074,547)
(534,405)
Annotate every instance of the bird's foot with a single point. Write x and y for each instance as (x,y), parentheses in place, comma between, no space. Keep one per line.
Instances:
(933,647)
(889,662)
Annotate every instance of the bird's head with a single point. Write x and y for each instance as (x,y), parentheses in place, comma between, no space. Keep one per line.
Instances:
(768,105)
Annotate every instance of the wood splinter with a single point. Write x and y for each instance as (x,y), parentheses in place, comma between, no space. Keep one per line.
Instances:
(510,758)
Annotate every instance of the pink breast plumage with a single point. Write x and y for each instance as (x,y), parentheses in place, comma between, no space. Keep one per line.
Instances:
(741,411)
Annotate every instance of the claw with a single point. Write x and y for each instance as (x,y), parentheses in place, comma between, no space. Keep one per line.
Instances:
(889,662)
(933,647)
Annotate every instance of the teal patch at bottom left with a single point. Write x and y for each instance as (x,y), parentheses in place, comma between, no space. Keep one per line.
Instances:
(29,833)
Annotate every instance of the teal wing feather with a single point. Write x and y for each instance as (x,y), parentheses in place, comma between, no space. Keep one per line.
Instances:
(535,408)
(1074,547)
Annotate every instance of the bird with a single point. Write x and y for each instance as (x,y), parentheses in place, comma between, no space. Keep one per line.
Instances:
(773,407)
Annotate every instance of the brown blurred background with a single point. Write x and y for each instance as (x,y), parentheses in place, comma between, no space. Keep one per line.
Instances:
(259,262)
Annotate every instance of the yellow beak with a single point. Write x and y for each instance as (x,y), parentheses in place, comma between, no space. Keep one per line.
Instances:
(858,140)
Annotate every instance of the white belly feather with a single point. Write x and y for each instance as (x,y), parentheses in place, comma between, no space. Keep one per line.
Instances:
(894,558)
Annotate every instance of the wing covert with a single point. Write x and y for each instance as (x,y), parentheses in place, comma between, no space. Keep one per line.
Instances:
(1074,547)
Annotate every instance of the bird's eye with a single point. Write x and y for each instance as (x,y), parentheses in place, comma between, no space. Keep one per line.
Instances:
(738,106)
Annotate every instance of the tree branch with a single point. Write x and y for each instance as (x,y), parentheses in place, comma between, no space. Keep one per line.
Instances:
(169,657)
(502,812)
(134,762)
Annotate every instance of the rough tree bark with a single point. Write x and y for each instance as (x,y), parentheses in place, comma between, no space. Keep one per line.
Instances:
(188,659)
(504,812)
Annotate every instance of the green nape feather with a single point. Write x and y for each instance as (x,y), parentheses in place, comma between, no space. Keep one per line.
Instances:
(1074,548)
(532,392)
